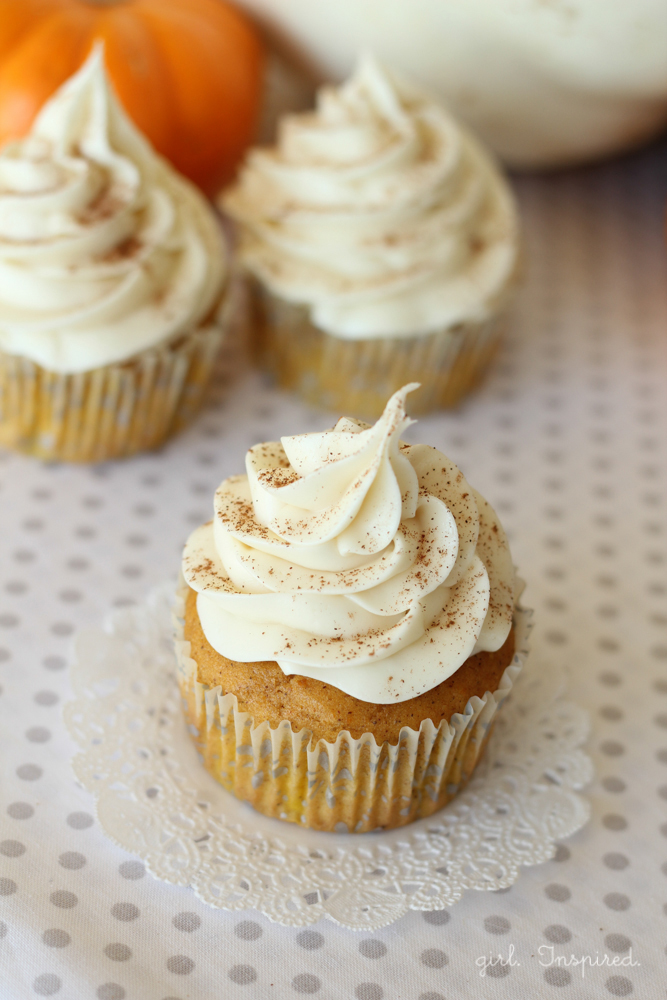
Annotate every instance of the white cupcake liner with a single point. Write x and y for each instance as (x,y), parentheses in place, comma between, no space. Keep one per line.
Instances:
(112,411)
(358,376)
(351,784)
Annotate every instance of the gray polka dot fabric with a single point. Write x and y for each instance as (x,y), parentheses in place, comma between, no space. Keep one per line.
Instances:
(567,439)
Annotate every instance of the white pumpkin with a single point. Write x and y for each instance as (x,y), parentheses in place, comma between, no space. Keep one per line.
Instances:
(545,82)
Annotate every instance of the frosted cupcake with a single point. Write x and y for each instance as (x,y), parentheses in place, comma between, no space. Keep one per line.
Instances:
(346,628)
(112,279)
(382,242)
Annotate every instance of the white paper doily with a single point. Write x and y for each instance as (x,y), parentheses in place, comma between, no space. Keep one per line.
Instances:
(154,798)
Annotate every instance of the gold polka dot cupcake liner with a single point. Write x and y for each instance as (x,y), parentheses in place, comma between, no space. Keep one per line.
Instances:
(359,376)
(109,412)
(352,785)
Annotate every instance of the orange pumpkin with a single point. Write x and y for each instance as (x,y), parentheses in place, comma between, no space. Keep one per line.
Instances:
(189,72)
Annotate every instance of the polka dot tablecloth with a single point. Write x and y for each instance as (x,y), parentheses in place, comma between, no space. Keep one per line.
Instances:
(567,440)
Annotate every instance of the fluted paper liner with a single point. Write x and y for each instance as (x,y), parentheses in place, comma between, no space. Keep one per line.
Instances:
(359,376)
(353,784)
(112,411)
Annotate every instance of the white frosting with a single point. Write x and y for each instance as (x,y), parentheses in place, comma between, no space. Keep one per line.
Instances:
(104,249)
(379,212)
(353,558)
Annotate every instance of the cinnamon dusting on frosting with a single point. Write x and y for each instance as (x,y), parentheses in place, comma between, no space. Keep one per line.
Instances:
(105,251)
(379,212)
(355,559)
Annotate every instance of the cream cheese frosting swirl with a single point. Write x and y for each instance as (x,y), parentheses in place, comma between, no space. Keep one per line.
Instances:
(379,212)
(104,249)
(353,558)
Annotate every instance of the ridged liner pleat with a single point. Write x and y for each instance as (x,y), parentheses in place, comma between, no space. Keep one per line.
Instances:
(352,784)
(359,376)
(109,412)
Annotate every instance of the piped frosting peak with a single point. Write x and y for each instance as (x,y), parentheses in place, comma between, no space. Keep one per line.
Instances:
(379,212)
(353,558)
(104,249)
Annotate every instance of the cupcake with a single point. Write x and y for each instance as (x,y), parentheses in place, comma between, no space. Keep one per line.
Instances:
(113,277)
(346,627)
(381,241)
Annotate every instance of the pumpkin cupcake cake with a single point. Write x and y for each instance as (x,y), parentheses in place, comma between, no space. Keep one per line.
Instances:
(381,241)
(113,281)
(347,627)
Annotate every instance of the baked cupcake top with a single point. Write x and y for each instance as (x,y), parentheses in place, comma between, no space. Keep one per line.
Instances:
(104,249)
(353,558)
(379,212)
